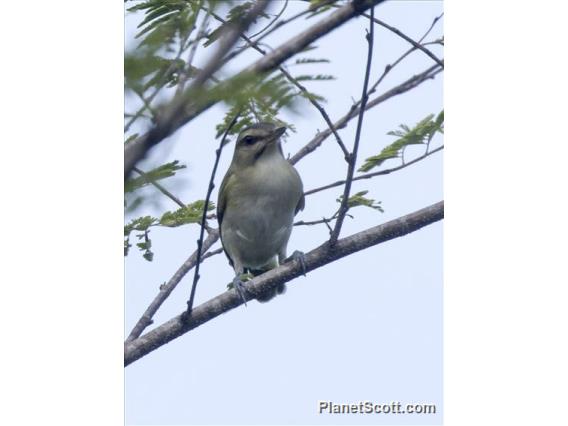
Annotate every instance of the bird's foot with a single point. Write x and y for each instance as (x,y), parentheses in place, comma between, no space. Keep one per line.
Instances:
(300,257)
(238,285)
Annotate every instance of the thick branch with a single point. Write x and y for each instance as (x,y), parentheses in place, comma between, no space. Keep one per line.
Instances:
(185,109)
(317,258)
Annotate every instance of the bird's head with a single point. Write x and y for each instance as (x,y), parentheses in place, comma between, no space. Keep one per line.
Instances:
(261,140)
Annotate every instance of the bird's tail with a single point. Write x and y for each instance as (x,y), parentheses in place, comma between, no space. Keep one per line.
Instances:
(270,294)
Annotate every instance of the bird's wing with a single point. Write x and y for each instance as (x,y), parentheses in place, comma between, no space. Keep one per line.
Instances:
(301,204)
(222,199)
(226,184)
(302,201)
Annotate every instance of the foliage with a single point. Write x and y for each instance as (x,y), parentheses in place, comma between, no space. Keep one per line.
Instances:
(359,199)
(319,6)
(165,21)
(235,14)
(311,61)
(141,224)
(259,100)
(185,215)
(190,214)
(159,63)
(421,133)
(162,172)
(262,98)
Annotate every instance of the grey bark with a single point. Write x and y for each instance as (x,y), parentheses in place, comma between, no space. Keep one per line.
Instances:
(316,258)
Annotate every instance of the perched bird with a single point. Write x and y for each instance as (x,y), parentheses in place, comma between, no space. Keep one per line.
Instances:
(258,199)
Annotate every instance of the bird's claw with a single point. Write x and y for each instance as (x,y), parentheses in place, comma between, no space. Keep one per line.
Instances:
(300,257)
(238,285)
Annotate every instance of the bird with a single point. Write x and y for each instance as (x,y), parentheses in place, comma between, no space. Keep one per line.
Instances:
(257,201)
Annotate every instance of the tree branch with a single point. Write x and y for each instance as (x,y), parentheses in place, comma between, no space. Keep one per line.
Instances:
(296,83)
(203,219)
(353,157)
(160,187)
(404,87)
(391,66)
(200,34)
(373,174)
(165,290)
(320,137)
(399,33)
(184,109)
(316,258)
(278,15)
(279,24)
(416,45)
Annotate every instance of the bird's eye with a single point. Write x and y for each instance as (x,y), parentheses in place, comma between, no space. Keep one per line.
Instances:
(249,140)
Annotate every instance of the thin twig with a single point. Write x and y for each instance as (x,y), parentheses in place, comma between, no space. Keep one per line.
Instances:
(200,34)
(212,253)
(399,33)
(404,87)
(285,273)
(435,21)
(228,39)
(181,111)
(353,157)
(416,45)
(373,174)
(295,82)
(278,15)
(317,222)
(166,289)
(390,67)
(147,102)
(279,24)
(159,187)
(203,218)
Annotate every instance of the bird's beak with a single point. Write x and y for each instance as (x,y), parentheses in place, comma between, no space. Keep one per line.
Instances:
(277,133)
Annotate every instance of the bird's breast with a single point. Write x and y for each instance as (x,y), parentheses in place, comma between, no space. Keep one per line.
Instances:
(258,219)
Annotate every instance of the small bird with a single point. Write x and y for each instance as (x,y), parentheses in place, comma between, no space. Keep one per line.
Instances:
(258,199)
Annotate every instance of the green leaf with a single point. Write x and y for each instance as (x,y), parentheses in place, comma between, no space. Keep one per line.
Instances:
(130,138)
(319,77)
(236,14)
(308,48)
(311,61)
(162,172)
(164,22)
(421,133)
(317,7)
(127,246)
(259,99)
(359,199)
(313,96)
(139,224)
(440,121)
(148,255)
(190,214)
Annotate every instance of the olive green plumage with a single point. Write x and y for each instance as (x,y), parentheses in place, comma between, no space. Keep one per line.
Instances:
(258,199)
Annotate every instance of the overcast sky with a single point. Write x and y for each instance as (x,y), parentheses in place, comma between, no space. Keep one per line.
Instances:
(365,328)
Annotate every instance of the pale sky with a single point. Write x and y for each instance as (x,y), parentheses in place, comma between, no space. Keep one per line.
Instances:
(365,328)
